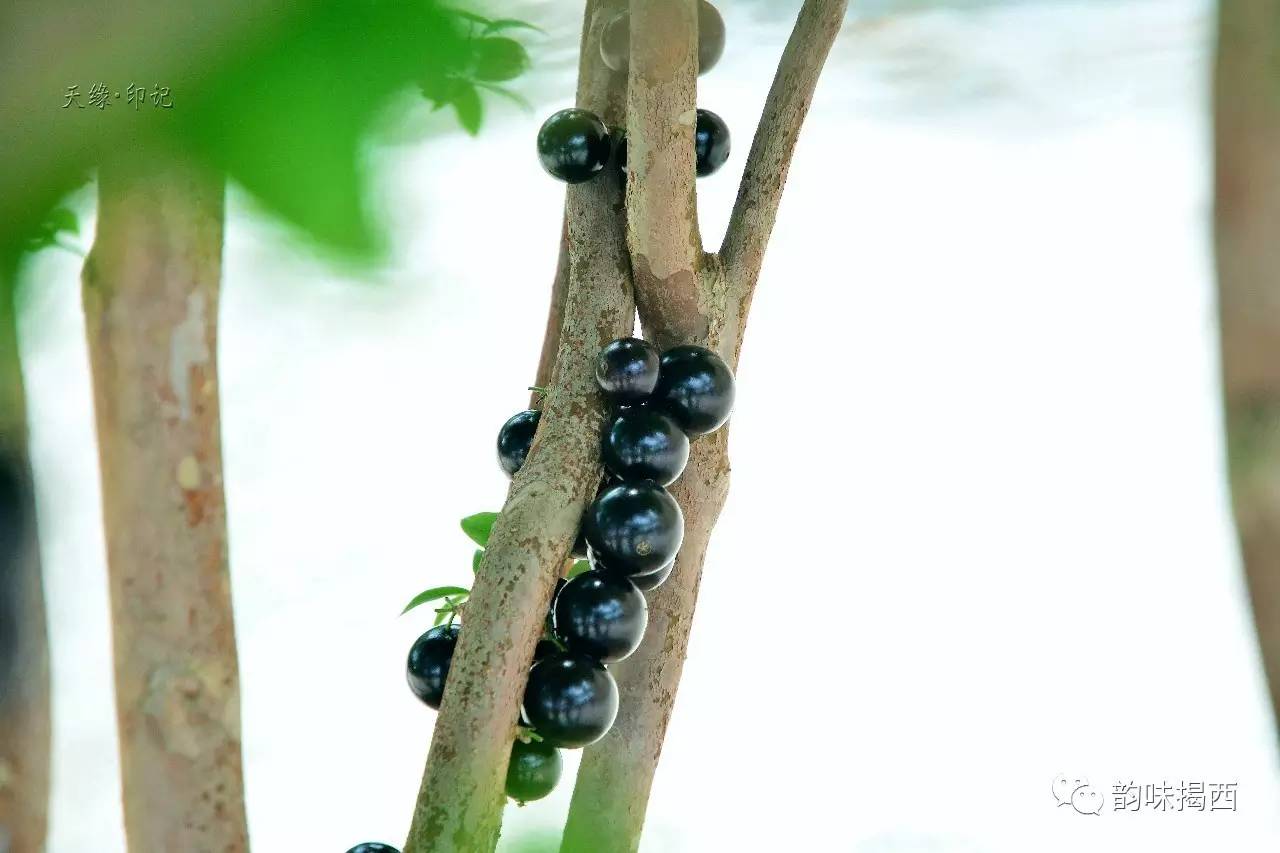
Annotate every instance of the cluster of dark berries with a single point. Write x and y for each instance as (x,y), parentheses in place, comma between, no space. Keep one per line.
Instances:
(631,532)
(535,765)
(575,145)
(630,536)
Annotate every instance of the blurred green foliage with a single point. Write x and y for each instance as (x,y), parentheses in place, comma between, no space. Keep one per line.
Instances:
(60,220)
(280,102)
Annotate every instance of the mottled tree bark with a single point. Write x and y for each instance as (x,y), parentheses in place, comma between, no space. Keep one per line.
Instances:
(24,648)
(151,286)
(685,296)
(459,806)
(1247,219)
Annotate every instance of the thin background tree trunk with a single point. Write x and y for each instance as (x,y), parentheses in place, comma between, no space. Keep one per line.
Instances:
(24,648)
(1247,220)
(151,287)
(685,296)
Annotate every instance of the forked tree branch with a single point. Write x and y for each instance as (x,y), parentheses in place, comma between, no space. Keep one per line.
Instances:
(460,802)
(616,775)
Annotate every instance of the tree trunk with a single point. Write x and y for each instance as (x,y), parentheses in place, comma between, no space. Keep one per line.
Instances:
(685,296)
(151,286)
(1247,220)
(24,643)
(459,806)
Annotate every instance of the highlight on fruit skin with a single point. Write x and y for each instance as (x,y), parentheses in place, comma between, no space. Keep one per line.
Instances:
(427,666)
(710,143)
(570,699)
(574,145)
(696,388)
(636,528)
(644,444)
(601,614)
(515,438)
(627,370)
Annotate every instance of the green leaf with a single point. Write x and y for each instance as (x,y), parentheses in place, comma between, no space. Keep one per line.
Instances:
(522,102)
(470,110)
(287,121)
(504,24)
(498,25)
(476,558)
(433,594)
(499,59)
(439,87)
(63,219)
(527,734)
(282,100)
(578,568)
(58,220)
(479,527)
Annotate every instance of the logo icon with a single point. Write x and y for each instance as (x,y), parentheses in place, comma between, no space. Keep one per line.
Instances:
(1077,793)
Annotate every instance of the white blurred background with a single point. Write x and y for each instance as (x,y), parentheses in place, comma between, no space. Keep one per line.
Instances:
(978,534)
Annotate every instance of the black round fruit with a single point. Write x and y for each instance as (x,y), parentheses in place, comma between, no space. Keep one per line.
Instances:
(644,582)
(514,439)
(533,771)
(615,40)
(574,145)
(627,370)
(428,664)
(653,580)
(645,445)
(695,388)
(598,563)
(635,527)
(710,36)
(545,648)
(373,847)
(555,593)
(571,700)
(710,143)
(601,614)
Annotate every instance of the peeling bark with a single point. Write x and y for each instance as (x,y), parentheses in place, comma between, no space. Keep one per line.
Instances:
(1247,220)
(151,286)
(459,805)
(24,643)
(616,775)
